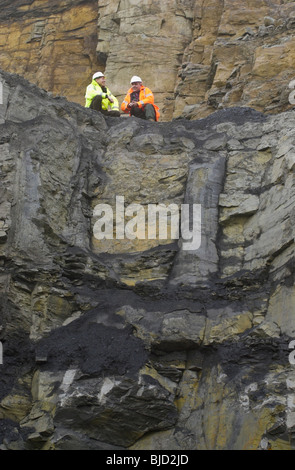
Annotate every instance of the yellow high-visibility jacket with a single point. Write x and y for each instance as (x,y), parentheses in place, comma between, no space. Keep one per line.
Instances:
(95,89)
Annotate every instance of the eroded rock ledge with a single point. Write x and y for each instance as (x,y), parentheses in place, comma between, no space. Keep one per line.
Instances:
(138,343)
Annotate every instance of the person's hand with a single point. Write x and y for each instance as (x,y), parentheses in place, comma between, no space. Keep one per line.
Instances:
(133,104)
(110,99)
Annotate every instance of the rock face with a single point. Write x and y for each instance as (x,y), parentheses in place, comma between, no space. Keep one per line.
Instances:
(51,43)
(198,56)
(137,343)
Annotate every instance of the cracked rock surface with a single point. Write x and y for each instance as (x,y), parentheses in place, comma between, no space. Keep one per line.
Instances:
(135,343)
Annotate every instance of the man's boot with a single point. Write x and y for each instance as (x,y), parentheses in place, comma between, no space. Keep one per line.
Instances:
(113,113)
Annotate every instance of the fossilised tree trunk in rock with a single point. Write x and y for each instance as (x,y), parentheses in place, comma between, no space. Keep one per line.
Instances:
(133,342)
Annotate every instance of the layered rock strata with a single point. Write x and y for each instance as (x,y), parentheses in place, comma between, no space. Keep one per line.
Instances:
(197,56)
(135,343)
(201,55)
(51,43)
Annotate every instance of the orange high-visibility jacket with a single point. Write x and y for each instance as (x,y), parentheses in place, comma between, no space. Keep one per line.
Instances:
(145,96)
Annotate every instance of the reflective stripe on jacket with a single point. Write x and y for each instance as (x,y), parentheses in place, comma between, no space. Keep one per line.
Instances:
(95,89)
(145,96)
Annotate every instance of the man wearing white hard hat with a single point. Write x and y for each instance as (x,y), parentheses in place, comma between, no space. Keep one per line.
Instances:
(100,98)
(139,101)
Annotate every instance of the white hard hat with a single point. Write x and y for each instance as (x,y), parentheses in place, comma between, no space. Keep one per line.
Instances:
(135,78)
(97,75)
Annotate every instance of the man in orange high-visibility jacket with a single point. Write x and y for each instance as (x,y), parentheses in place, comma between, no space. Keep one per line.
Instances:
(139,101)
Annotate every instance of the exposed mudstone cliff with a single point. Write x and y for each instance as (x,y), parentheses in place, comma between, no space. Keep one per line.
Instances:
(198,56)
(140,344)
